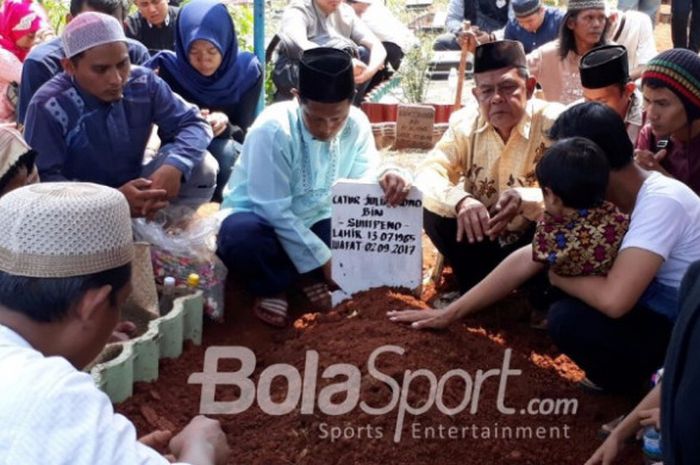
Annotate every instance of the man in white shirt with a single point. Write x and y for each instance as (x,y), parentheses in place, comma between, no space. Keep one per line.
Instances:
(308,24)
(396,38)
(617,327)
(634,31)
(62,284)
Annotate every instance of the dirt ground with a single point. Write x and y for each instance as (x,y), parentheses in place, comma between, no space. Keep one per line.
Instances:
(662,34)
(349,334)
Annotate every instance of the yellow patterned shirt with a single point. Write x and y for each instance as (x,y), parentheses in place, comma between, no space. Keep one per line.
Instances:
(471,158)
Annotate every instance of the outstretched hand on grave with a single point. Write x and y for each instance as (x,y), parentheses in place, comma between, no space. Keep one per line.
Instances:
(424,319)
(157,440)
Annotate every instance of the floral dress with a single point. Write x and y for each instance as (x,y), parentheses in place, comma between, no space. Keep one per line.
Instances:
(584,243)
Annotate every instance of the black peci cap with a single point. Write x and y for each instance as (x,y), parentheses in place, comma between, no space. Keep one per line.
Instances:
(604,66)
(326,75)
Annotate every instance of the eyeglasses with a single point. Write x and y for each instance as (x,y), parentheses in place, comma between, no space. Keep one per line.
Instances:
(485,93)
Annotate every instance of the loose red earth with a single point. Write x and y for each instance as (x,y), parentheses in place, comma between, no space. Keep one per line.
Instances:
(349,334)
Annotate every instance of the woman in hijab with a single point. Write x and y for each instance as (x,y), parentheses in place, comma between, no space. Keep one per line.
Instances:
(208,70)
(19,23)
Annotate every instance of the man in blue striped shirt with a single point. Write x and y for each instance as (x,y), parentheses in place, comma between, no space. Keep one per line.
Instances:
(44,61)
(92,123)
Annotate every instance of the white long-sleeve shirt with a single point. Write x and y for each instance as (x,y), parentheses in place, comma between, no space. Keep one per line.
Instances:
(53,414)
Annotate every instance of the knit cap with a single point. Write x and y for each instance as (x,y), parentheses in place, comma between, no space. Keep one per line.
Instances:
(524,8)
(64,229)
(89,30)
(678,70)
(585,4)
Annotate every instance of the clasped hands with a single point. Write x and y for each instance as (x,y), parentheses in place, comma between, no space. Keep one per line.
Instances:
(472,37)
(476,222)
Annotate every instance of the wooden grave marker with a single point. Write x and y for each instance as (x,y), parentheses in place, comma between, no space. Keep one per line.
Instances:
(414,127)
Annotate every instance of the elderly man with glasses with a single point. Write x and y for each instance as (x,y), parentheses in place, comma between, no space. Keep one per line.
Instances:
(479,187)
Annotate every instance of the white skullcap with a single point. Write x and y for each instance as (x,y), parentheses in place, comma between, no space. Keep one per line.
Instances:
(64,229)
(90,29)
(12,146)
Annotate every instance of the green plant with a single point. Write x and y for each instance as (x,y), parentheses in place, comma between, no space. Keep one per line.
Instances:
(57,11)
(414,67)
(269,85)
(243,19)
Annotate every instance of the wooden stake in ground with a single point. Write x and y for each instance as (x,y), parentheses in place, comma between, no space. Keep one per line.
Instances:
(466,26)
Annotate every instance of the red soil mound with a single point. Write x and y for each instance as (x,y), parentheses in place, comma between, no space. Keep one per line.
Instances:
(349,335)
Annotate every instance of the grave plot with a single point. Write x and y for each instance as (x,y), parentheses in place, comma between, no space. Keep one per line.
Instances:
(350,334)
(351,387)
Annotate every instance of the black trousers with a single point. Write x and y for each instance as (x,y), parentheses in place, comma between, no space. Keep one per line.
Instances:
(616,354)
(394,55)
(470,262)
(250,248)
(680,404)
(681,12)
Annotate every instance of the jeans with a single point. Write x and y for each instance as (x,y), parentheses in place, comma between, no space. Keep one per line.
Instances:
(446,41)
(662,299)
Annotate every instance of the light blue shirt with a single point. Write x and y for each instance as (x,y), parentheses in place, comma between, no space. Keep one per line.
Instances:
(285,176)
